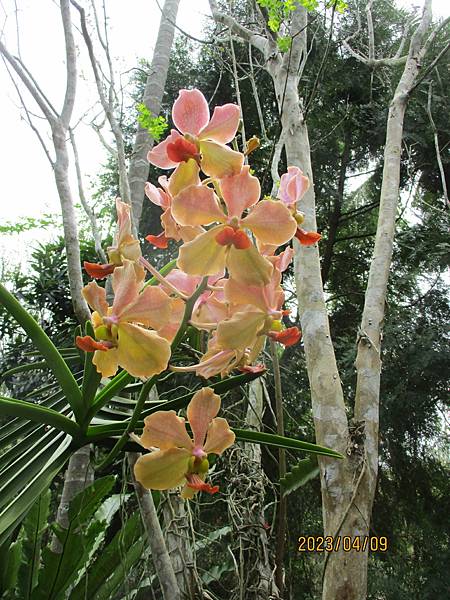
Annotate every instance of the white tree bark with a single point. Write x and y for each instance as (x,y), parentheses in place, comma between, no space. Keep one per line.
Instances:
(152,98)
(160,556)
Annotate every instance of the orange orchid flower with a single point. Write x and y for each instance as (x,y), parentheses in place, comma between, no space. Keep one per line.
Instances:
(176,458)
(121,331)
(201,139)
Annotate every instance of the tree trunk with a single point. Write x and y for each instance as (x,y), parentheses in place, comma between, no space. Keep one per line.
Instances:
(79,475)
(152,98)
(179,543)
(160,556)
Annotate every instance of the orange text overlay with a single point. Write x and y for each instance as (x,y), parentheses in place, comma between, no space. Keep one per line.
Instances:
(313,543)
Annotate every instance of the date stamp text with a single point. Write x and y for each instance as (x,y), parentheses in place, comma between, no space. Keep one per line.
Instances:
(318,543)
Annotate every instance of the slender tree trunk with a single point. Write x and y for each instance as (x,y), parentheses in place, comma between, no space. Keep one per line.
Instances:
(79,475)
(177,535)
(152,98)
(160,555)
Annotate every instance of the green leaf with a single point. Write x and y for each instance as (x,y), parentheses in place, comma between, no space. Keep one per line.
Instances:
(110,560)
(31,487)
(34,525)
(39,414)
(59,571)
(156,126)
(47,349)
(301,473)
(279,441)
(9,570)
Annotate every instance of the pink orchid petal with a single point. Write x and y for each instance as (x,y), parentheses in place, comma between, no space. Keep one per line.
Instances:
(171,227)
(241,330)
(157,195)
(283,260)
(162,470)
(95,296)
(203,255)
(220,161)
(123,221)
(219,437)
(141,352)
(169,330)
(126,287)
(293,185)
(185,174)
(190,111)
(239,293)
(223,125)
(164,429)
(151,308)
(240,191)
(201,410)
(271,222)
(197,205)
(158,154)
(186,284)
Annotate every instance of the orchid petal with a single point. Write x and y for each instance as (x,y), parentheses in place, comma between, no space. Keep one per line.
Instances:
(190,111)
(158,154)
(169,330)
(220,161)
(248,266)
(97,270)
(223,125)
(151,308)
(240,191)
(185,174)
(123,221)
(271,222)
(107,362)
(95,296)
(201,410)
(240,331)
(171,228)
(197,205)
(157,195)
(293,185)
(186,284)
(240,293)
(159,241)
(217,361)
(203,255)
(219,437)
(141,352)
(164,429)
(126,287)
(162,470)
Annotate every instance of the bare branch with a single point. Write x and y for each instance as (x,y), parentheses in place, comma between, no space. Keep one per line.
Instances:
(87,209)
(246,35)
(71,65)
(37,95)
(436,145)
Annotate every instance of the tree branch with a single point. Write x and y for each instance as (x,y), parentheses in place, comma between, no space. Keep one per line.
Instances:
(71,65)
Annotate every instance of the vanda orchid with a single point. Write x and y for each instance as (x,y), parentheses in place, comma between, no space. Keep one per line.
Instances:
(175,458)
(234,248)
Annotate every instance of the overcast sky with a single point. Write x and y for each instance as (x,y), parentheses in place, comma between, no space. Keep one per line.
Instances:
(28,187)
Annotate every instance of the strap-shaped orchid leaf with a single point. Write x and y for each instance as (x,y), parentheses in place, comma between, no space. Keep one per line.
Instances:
(42,342)
(279,441)
(38,414)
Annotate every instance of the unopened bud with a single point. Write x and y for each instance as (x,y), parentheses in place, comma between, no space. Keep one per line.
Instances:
(276,326)
(101,333)
(203,466)
(252,144)
(299,217)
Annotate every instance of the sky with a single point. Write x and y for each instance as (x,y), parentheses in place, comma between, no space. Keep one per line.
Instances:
(28,187)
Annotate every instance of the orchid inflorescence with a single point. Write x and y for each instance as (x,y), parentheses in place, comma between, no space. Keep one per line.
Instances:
(212,204)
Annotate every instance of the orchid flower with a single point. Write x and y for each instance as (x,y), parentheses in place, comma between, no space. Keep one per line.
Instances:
(122,337)
(201,138)
(184,176)
(293,186)
(227,244)
(175,457)
(126,247)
